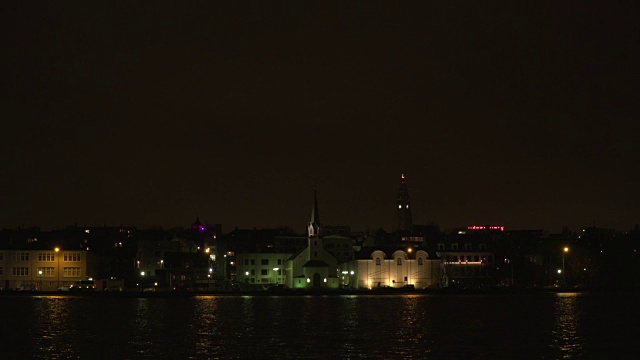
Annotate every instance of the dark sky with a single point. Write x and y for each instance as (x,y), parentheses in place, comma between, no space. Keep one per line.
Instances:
(147,113)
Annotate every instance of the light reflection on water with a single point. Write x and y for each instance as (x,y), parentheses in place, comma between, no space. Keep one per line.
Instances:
(308,327)
(52,334)
(565,334)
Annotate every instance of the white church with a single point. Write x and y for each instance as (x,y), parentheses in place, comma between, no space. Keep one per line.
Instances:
(314,267)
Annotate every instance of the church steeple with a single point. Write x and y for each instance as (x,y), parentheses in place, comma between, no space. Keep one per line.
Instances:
(404,220)
(314,224)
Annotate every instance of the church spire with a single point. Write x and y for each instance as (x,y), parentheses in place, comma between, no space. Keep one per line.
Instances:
(314,224)
(404,221)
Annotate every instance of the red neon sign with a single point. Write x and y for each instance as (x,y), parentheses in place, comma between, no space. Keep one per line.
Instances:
(482,227)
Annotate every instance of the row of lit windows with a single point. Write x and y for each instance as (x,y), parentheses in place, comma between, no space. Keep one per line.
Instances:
(399,261)
(263,280)
(20,256)
(262,272)
(46,271)
(44,257)
(468,258)
(71,272)
(20,271)
(262,261)
(43,271)
(75,256)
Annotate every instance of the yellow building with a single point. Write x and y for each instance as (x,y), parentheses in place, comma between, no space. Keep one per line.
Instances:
(393,267)
(45,270)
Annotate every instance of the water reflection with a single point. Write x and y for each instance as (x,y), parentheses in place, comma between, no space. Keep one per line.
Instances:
(411,330)
(52,329)
(565,335)
(205,325)
(550,326)
(347,317)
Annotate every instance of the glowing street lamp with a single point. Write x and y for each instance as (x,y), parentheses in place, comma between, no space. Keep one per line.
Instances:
(57,249)
(409,250)
(564,274)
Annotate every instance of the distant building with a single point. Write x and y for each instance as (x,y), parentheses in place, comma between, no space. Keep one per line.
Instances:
(314,266)
(41,268)
(404,221)
(261,268)
(392,266)
(468,256)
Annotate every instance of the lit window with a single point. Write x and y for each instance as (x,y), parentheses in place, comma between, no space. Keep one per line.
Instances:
(74,256)
(20,271)
(20,256)
(46,257)
(46,271)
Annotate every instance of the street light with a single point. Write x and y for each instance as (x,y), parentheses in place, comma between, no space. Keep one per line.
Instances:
(57,249)
(275,273)
(564,274)
(409,250)
(39,281)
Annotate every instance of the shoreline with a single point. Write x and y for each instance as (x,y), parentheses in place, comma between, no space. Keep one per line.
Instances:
(318,292)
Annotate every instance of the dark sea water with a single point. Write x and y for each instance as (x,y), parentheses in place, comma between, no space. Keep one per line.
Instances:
(505,326)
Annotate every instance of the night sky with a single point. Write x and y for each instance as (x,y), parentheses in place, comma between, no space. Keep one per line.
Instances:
(149,113)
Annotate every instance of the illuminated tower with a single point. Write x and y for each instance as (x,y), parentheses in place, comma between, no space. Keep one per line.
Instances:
(315,241)
(404,222)
(314,224)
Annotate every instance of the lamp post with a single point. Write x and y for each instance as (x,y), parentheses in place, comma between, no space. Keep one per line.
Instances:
(275,273)
(57,249)
(39,281)
(564,274)
(409,261)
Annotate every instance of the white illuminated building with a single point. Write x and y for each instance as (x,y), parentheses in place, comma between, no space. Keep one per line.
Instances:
(313,267)
(397,268)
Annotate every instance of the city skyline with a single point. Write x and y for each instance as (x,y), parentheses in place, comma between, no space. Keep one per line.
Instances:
(133,114)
